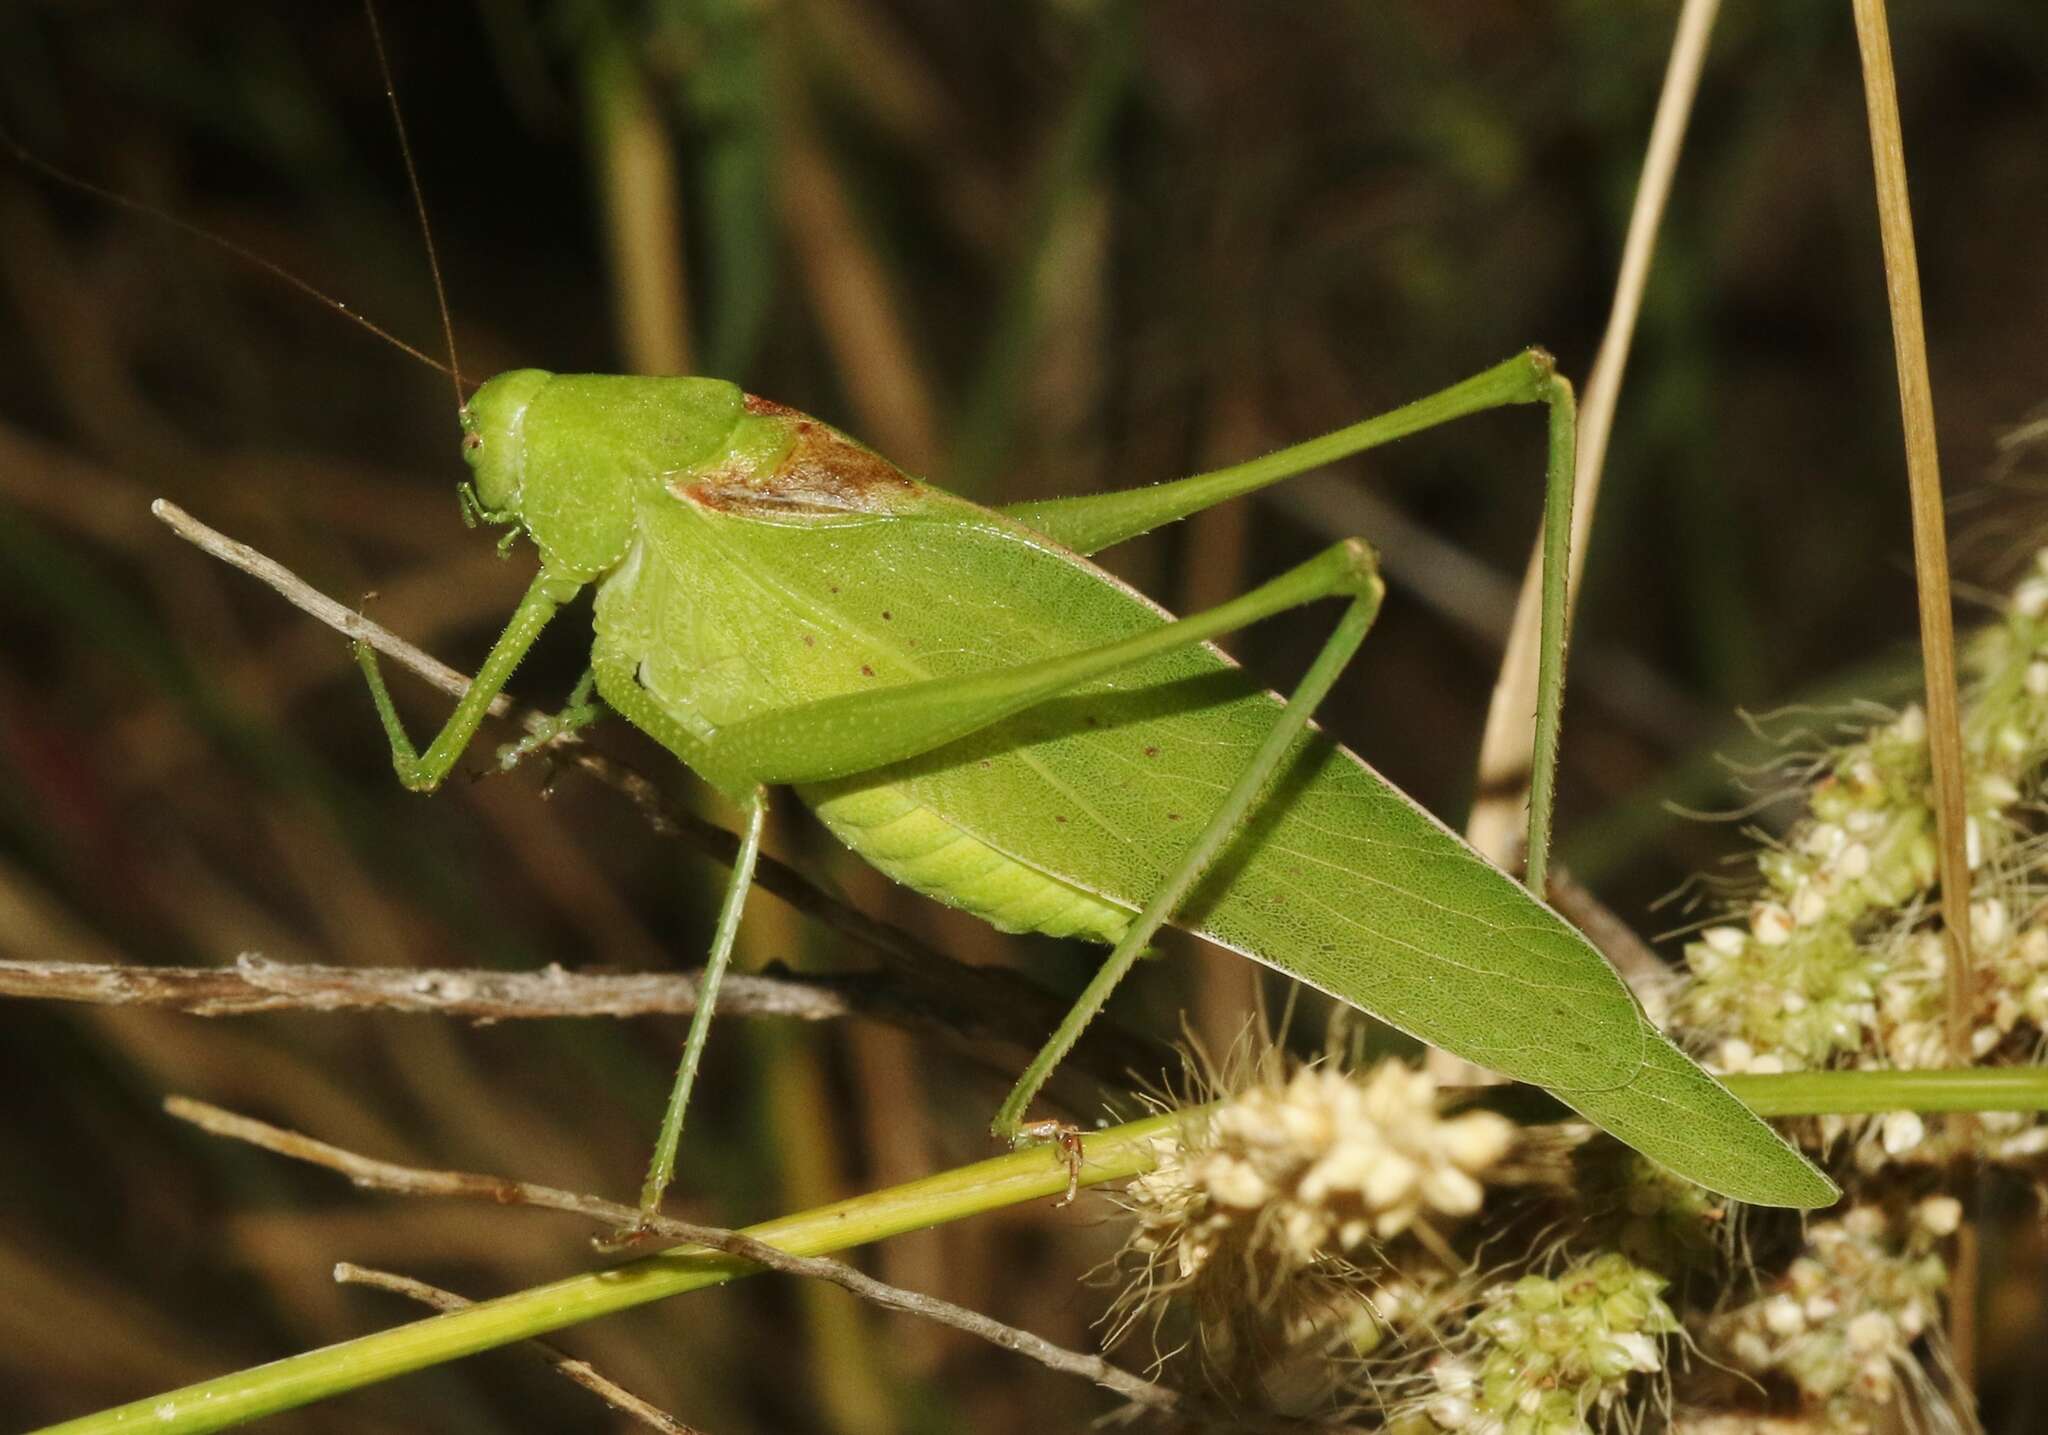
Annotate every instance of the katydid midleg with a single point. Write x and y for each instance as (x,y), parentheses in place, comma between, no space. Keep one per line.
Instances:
(989,718)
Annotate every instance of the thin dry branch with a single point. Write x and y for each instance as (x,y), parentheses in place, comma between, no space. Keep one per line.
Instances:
(303,596)
(1937,621)
(1923,484)
(579,1372)
(255,984)
(975,1006)
(373,1174)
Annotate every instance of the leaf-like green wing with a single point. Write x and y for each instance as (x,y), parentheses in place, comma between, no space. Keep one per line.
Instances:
(1679,1116)
(1339,880)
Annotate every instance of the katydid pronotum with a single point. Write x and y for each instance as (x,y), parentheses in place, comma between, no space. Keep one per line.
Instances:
(989,718)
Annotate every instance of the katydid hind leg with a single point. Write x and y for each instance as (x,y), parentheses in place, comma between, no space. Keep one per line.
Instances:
(1092,522)
(1560,478)
(859,732)
(1251,784)
(424,771)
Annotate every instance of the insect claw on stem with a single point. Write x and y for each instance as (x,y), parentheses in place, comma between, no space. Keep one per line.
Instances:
(1064,1135)
(625,1238)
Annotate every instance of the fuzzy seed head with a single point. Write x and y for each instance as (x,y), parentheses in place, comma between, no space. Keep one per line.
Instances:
(1842,1320)
(1552,1355)
(1290,1173)
(1839,958)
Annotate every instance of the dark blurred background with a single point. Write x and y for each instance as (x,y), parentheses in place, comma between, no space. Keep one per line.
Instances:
(1025,250)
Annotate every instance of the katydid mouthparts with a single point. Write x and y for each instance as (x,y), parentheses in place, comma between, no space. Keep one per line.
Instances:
(989,718)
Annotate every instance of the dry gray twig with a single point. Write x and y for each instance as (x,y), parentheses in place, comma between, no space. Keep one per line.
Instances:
(254,984)
(373,1174)
(302,595)
(580,1372)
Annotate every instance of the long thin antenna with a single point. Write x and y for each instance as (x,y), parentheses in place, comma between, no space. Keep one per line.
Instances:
(419,199)
(247,256)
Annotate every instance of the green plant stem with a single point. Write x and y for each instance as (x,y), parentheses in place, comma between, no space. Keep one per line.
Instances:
(300,1379)
(1813,1093)
(1863,1093)
(1033,1174)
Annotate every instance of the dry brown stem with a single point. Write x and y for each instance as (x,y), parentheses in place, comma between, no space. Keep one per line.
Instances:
(1937,621)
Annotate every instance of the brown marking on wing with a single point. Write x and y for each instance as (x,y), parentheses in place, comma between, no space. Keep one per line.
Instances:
(768,408)
(824,473)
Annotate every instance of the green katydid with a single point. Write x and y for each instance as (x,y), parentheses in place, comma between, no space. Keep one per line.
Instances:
(987,717)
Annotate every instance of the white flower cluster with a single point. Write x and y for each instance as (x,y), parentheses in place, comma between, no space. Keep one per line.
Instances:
(1840,959)
(1316,1166)
(1793,985)
(1554,1354)
(1271,1231)
(2010,966)
(1841,1322)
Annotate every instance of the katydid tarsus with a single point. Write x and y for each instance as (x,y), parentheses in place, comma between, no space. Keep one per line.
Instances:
(989,718)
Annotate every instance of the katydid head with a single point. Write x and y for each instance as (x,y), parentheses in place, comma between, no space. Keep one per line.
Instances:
(492,438)
(570,457)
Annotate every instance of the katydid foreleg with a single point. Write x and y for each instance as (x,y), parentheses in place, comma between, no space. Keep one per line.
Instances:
(424,771)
